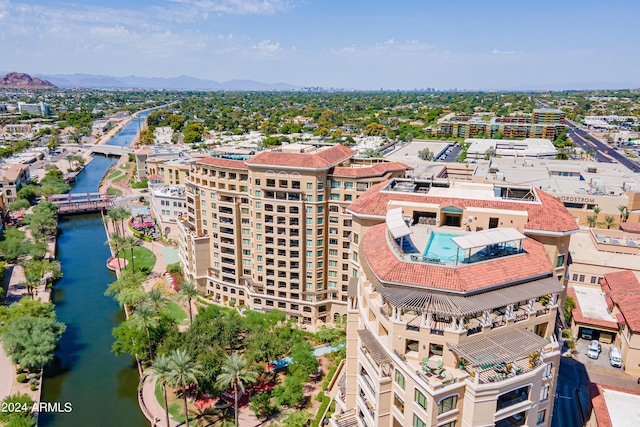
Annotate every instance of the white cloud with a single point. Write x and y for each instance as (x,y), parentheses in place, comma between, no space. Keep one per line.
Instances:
(390,47)
(503,52)
(266,48)
(239,7)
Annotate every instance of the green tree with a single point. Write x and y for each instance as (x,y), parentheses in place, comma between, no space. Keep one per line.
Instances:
(624,214)
(160,369)
(29,193)
(610,221)
(183,371)
(303,362)
(425,154)
(596,211)
(31,341)
(261,405)
(20,205)
(235,374)
(188,291)
(290,393)
(130,243)
(569,306)
(156,300)
(146,137)
(591,221)
(145,318)
(298,419)
(22,417)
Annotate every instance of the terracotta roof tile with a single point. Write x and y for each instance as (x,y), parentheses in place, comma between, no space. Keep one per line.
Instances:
(624,289)
(389,268)
(378,169)
(600,405)
(547,215)
(324,158)
(632,227)
(578,317)
(226,163)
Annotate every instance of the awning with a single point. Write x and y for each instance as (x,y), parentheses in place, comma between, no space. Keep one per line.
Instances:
(486,238)
(500,347)
(396,224)
(376,351)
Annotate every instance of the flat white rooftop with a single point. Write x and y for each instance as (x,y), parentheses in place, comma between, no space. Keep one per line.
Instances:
(624,408)
(593,304)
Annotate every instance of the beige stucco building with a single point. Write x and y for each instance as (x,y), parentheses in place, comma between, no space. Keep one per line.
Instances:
(452,306)
(273,231)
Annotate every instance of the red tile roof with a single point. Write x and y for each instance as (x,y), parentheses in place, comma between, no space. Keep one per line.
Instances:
(225,163)
(632,227)
(624,289)
(386,265)
(578,317)
(322,159)
(378,169)
(547,215)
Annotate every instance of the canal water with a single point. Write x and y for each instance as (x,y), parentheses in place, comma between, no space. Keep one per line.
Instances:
(101,387)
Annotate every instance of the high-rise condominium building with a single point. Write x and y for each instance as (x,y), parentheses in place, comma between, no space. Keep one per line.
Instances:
(452,310)
(273,231)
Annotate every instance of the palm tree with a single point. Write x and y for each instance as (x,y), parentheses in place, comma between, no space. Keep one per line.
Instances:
(610,220)
(128,280)
(234,373)
(122,213)
(188,291)
(184,371)
(130,243)
(156,299)
(112,214)
(116,243)
(144,317)
(591,221)
(623,213)
(596,211)
(161,370)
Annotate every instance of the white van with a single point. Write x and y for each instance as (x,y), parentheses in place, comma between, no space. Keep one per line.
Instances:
(615,357)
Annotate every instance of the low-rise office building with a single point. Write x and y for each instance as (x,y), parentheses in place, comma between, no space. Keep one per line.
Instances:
(539,148)
(452,305)
(168,204)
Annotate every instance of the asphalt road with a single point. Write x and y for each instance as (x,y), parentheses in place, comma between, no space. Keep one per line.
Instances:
(572,395)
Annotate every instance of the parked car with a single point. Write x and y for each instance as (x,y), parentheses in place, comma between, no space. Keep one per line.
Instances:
(615,357)
(594,349)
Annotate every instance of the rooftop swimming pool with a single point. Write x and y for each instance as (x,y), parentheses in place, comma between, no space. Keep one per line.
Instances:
(440,246)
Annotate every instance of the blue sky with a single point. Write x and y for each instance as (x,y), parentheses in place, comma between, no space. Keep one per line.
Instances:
(465,44)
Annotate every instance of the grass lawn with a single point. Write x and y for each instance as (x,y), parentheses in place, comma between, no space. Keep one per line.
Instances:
(114,174)
(175,312)
(144,259)
(114,191)
(125,166)
(119,178)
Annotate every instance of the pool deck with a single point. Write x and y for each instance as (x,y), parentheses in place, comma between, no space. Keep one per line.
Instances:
(420,235)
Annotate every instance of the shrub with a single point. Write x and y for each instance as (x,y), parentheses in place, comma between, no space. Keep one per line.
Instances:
(21,378)
(34,387)
(566,333)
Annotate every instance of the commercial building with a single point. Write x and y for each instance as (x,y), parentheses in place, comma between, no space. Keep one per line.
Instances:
(582,186)
(544,123)
(39,109)
(452,305)
(273,231)
(529,147)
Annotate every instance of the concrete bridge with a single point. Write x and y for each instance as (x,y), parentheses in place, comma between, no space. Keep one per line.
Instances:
(108,150)
(81,202)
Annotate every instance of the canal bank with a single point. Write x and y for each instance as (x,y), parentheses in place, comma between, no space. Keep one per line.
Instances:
(100,387)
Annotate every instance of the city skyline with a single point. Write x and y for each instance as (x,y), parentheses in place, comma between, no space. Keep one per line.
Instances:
(352,45)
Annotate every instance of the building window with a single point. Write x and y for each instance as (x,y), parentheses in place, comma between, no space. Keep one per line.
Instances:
(544,393)
(398,403)
(518,419)
(574,277)
(400,379)
(417,422)
(309,185)
(560,260)
(581,279)
(421,399)
(447,404)
(542,415)
(594,279)
(512,397)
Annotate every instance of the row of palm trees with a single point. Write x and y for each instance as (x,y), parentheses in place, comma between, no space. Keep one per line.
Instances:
(116,216)
(610,220)
(120,243)
(178,369)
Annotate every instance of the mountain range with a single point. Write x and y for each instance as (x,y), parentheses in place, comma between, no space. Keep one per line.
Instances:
(92,81)
(15,80)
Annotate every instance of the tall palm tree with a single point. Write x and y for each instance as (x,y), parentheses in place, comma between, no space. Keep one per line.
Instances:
(130,243)
(128,280)
(116,243)
(144,317)
(234,373)
(596,211)
(112,214)
(122,213)
(610,220)
(161,370)
(184,371)
(188,291)
(591,221)
(156,300)
(623,213)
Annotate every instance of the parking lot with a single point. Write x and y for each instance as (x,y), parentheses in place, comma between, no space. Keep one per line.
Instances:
(601,362)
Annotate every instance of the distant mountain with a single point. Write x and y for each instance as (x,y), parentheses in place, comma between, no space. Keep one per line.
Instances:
(158,83)
(15,80)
